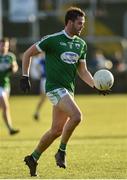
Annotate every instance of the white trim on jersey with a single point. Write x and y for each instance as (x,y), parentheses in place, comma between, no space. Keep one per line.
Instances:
(51,35)
(38,48)
(64,32)
(82,60)
(46,37)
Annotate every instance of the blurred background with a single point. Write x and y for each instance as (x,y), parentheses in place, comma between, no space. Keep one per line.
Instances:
(26,21)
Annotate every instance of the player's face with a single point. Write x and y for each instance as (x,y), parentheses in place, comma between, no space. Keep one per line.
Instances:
(4,47)
(78,25)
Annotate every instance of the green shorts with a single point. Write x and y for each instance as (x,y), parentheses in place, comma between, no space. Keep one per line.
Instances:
(57,94)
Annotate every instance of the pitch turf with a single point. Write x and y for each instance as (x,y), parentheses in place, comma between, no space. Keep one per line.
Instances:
(97,149)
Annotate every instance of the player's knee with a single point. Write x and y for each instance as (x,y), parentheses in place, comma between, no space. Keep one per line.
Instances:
(77,118)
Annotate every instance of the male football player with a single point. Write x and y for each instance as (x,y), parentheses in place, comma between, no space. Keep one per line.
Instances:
(8,65)
(65,56)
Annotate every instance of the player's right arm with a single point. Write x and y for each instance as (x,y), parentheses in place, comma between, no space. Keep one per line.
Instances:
(25,84)
(40,47)
(34,50)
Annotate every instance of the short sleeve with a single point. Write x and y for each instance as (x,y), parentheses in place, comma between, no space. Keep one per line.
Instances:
(12,55)
(44,44)
(83,52)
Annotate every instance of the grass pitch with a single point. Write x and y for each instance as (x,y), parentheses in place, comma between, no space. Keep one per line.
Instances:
(97,149)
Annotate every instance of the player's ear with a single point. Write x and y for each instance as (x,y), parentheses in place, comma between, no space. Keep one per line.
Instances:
(70,22)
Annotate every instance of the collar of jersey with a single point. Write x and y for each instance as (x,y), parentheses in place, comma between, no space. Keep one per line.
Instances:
(64,32)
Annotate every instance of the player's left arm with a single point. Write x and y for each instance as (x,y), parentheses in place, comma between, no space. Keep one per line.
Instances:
(14,67)
(84,73)
(86,76)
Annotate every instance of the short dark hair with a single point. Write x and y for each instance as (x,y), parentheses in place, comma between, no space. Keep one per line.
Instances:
(72,14)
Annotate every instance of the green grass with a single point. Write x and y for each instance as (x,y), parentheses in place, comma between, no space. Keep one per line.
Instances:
(97,149)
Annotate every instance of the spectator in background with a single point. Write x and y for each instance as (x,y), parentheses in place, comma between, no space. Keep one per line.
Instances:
(40,67)
(99,61)
(118,62)
(8,65)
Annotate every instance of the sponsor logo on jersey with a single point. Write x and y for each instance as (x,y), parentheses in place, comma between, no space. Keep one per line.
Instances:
(69,57)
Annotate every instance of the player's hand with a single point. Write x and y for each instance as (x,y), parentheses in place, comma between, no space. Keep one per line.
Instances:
(25,84)
(103,92)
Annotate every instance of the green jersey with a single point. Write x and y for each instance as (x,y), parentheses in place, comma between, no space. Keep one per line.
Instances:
(5,64)
(62,54)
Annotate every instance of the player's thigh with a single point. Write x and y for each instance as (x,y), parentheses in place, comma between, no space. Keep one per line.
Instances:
(59,118)
(69,106)
(1,102)
(4,102)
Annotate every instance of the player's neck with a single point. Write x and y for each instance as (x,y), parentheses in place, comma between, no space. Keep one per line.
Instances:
(68,33)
